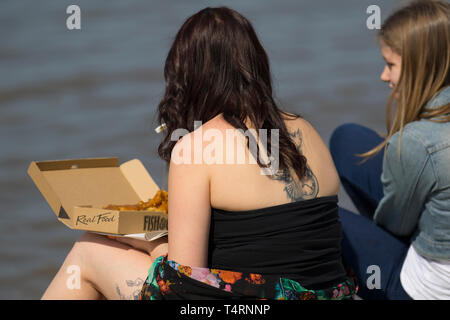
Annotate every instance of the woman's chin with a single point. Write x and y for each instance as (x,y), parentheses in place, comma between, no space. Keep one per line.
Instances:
(395,93)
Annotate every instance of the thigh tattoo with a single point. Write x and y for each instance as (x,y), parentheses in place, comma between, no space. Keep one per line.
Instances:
(133,286)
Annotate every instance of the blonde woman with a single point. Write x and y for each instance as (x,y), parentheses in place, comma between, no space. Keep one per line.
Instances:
(399,247)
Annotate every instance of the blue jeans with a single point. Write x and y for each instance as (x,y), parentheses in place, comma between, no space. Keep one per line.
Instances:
(366,246)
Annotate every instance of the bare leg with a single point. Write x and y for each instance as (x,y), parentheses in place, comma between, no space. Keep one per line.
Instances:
(107,269)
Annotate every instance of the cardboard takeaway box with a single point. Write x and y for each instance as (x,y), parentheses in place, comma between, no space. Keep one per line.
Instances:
(78,189)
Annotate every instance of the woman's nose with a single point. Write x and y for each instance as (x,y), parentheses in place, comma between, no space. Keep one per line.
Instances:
(385,74)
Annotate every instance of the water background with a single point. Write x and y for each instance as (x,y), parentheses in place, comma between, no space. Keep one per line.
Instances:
(93,93)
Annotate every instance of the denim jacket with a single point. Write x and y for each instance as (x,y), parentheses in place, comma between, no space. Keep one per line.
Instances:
(416,184)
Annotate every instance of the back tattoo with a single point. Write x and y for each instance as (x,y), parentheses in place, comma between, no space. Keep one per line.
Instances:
(307,187)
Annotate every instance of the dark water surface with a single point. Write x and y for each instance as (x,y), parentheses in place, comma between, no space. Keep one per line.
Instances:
(93,93)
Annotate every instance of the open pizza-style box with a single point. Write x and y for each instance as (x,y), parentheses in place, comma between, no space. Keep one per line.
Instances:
(78,189)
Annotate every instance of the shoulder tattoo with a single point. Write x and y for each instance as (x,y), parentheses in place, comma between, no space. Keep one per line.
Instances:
(307,187)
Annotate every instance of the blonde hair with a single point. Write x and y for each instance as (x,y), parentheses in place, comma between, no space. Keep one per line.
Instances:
(420,34)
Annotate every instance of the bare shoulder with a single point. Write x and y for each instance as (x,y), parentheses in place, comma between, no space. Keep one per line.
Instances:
(294,121)
(191,149)
(302,127)
(319,159)
(218,122)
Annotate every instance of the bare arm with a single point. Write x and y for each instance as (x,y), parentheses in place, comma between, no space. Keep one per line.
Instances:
(189,208)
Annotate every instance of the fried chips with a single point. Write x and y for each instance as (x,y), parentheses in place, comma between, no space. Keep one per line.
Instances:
(158,203)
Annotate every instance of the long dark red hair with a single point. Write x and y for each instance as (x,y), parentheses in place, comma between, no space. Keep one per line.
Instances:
(217,65)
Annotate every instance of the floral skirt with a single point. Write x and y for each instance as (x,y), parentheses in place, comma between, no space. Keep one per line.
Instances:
(170,280)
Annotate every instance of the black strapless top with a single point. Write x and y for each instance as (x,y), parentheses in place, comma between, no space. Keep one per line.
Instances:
(297,240)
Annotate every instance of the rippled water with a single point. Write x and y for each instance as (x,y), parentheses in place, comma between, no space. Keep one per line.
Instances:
(93,93)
